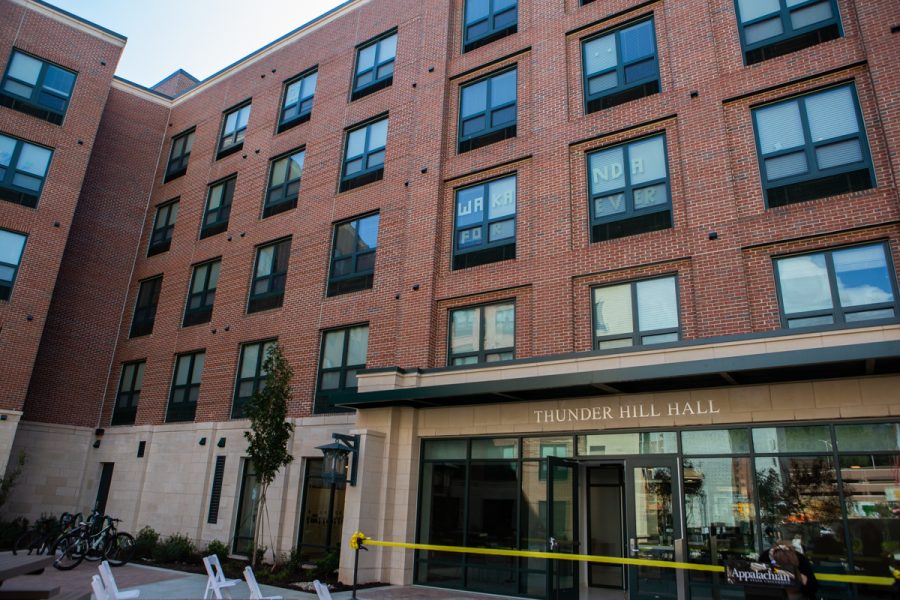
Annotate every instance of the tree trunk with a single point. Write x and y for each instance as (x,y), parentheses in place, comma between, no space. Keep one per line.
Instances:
(258,526)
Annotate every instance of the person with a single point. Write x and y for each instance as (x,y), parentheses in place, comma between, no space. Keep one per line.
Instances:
(783,554)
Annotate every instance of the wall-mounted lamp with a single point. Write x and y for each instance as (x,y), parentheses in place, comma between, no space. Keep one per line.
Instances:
(221,443)
(344,449)
(202,441)
(99,432)
(96,443)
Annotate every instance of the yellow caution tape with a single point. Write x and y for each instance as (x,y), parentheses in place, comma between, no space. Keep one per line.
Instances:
(359,538)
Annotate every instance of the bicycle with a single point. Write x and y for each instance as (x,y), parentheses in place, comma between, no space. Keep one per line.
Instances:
(41,538)
(117,547)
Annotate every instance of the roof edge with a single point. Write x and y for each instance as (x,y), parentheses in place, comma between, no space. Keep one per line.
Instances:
(124,85)
(175,73)
(74,20)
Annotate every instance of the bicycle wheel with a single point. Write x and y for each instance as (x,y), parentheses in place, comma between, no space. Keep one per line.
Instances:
(68,552)
(120,549)
(29,542)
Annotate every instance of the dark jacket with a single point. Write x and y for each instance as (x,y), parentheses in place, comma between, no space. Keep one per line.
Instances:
(811,589)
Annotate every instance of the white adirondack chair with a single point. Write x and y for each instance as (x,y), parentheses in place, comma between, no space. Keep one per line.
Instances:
(98,589)
(112,590)
(255,592)
(321,590)
(216,581)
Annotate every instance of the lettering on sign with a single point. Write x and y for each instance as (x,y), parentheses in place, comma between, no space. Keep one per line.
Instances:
(614,170)
(627,412)
(474,205)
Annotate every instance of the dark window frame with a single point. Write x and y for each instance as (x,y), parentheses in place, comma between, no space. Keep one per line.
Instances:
(304,112)
(144,315)
(276,281)
(655,218)
(491,133)
(637,334)
(494,33)
(231,142)
(238,402)
(487,251)
(356,280)
(369,174)
(850,177)
(185,410)
(223,211)
(177,164)
(360,90)
(31,105)
(288,199)
(837,312)
(203,313)
(623,92)
(6,288)
(161,234)
(18,194)
(322,404)
(789,40)
(481,353)
(125,408)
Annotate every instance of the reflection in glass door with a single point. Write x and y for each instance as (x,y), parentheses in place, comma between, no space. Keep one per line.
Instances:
(562,490)
(246,516)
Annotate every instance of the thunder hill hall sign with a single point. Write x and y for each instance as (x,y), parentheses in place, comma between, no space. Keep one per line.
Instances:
(627,412)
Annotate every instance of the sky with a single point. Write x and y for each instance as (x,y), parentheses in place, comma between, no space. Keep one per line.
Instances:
(199,36)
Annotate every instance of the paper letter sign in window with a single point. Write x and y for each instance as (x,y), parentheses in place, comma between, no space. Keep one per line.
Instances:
(125,409)
(269,276)
(374,66)
(364,155)
(771,28)
(812,147)
(23,168)
(636,314)
(353,255)
(485,228)
(629,189)
(620,66)
(298,100)
(251,376)
(838,286)
(284,183)
(36,87)
(179,155)
(234,126)
(11,246)
(489,20)
(487,111)
(343,354)
(218,207)
(185,387)
(482,334)
(163,227)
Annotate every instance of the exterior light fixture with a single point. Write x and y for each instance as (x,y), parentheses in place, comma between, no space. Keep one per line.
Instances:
(341,455)
(221,443)
(202,441)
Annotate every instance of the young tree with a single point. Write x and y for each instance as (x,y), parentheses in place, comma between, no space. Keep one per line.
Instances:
(9,481)
(270,432)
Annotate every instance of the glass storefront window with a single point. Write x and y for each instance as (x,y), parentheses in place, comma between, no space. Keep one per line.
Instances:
(533,534)
(493,495)
(322,521)
(542,447)
(614,444)
(813,438)
(872,496)
(497,448)
(868,437)
(445,450)
(716,441)
(441,522)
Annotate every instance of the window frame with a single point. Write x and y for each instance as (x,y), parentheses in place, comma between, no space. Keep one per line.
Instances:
(837,312)
(221,223)
(302,116)
(225,147)
(789,40)
(31,106)
(126,414)
(801,182)
(203,314)
(486,252)
(358,91)
(288,201)
(7,288)
(322,405)
(491,134)
(179,161)
(357,280)
(272,297)
(184,411)
(623,92)
(481,352)
(238,402)
(651,221)
(143,325)
(17,194)
(161,235)
(637,334)
(368,174)
(494,33)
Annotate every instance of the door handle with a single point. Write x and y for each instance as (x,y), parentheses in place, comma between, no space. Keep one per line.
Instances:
(632,546)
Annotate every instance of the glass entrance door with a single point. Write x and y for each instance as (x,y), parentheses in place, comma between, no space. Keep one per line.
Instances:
(654,526)
(562,526)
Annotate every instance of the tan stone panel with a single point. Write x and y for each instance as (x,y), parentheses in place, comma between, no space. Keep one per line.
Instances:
(793,395)
(850,412)
(773,415)
(843,392)
(880,390)
(750,398)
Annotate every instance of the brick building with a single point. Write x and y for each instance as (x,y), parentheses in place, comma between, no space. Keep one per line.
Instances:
(621,274)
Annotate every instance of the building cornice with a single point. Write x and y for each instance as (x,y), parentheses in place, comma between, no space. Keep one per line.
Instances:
(73,21)
(124,85)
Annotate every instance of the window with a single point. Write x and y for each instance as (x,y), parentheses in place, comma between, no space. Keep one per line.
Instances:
(130,384)
(163,227)
(218,207)
(36,87)
(11,246)
(145,309)
(771,28)
(485,232)
(298,100)
(374,66)
(179,155)
(185,387)
(489,20)
(202,294)
(269,276)
(812,147)
(251,375)
(487,112)
(23,168)
(343,354)
(284,183)
(364,155)
(482,334)
(837,286)
(322,510)
(636,314)
(353,255)
(629,189)
(620,66)
(234,126)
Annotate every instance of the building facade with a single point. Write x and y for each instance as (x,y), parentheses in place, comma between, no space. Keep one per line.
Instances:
(620,274)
